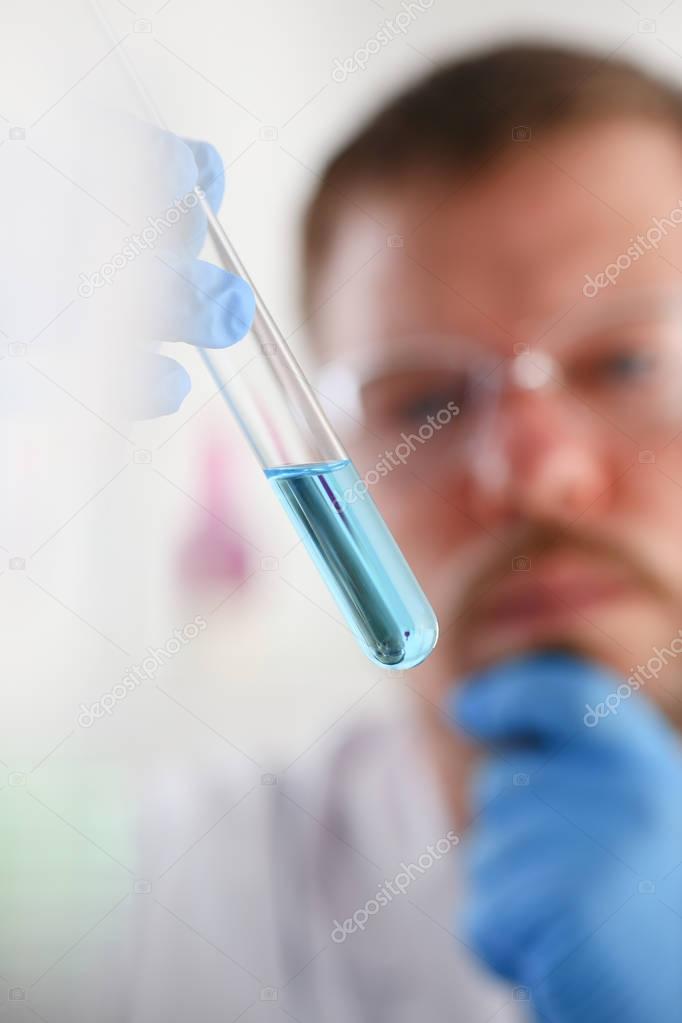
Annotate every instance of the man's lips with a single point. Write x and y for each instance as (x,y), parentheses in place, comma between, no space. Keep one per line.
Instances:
(550,591)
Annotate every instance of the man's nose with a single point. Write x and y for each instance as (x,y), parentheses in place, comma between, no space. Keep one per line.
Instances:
(535,458)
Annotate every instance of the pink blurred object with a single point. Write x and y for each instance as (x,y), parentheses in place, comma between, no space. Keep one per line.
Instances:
(214,550)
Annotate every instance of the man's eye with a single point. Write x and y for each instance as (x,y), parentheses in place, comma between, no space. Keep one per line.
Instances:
(626,366)
(407,399)
(419,406)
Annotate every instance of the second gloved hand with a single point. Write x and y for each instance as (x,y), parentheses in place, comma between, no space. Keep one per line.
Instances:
(575,851)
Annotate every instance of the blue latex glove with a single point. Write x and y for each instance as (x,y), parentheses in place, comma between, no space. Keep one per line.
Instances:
(575,850)
(206,306)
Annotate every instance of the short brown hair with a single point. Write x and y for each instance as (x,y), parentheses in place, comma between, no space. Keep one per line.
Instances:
(468,111)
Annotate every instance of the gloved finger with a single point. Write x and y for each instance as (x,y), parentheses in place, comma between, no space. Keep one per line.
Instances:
(508,772)
(182,227)
(161,204)
(493,923)
(136,168)
(210,176)
(208,182)
(517,828)
(506,842)
(161,386)
(576,783)
(171,166)
(536,698)
(208,306)
(519,814)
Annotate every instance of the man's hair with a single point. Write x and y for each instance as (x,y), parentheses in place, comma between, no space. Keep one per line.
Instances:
(466,113)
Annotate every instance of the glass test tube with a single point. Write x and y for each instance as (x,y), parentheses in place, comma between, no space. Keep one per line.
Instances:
(308,468)
(314,480)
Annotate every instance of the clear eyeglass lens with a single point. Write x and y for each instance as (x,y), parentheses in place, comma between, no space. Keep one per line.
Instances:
(631,373)
(625,374)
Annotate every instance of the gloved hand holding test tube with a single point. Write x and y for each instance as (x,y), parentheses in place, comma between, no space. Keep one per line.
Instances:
(297,448)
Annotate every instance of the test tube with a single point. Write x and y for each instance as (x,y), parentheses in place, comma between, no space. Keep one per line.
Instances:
(306,465)
(314,479)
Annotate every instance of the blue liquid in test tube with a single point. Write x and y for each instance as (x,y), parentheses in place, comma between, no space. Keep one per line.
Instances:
(359,560)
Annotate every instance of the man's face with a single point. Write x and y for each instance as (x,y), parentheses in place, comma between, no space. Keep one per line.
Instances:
(548,511)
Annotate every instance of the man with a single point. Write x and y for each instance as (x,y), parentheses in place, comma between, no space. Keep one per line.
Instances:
(504,235)
(502,239)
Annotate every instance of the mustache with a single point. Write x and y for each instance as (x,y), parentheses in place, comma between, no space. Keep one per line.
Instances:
(533,541)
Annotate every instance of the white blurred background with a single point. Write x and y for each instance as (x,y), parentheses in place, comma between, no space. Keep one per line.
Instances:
(110,540)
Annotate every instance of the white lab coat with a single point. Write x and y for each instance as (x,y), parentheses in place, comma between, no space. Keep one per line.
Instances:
(240,927)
